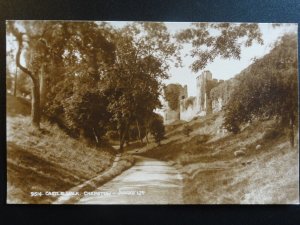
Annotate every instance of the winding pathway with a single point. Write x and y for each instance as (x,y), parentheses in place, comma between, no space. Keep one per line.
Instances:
(149,181)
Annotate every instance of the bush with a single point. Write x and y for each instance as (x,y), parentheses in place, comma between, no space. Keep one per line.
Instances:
(112,135)
(202,139)
(157,129)
(187,130)
(267,89)
(272,134)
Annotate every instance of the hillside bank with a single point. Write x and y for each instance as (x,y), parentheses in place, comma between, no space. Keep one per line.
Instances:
(216,172)
(47,160)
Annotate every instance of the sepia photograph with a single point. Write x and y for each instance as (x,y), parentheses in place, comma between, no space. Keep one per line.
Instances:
(123,112)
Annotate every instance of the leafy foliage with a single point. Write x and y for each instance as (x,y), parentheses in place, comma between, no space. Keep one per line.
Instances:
(172,94)
(133,84)
(267,89)
(157,129)
(94,78)
(88,112)
(23,84)
(272,134)
(210,40)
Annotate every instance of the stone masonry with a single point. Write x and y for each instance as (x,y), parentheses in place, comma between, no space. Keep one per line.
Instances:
(200,105)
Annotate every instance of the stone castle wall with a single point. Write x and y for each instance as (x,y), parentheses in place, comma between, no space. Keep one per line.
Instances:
(188,108)
(220,95)
(172,115)
(201,90)
(204,103)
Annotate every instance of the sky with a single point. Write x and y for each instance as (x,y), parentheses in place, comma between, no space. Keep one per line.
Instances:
(220,68)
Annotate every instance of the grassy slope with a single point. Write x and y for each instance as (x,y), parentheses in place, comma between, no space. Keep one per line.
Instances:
(214,175)
(46,160)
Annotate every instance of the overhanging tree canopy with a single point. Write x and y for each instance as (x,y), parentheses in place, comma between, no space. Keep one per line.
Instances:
(268,89)
(210,40)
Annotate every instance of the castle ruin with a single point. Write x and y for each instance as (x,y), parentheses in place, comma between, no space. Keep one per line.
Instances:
(172,112)
(212,95)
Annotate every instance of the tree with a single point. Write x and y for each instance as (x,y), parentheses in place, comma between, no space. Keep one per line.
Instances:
(172,93)
(157,128)
(267,89)
(143,56)
(210,40)
(86,112)
(77,96)
(39,53)
(10,82)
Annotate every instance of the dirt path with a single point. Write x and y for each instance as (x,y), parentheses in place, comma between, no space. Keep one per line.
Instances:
(149,181)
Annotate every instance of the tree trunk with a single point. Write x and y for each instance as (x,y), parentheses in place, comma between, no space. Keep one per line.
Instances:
(35,99)
(122,141)
(139,131)
(15,82)
(42,87)
(123,133)
(147,140)
(35,104)
(95,135)
(291,131)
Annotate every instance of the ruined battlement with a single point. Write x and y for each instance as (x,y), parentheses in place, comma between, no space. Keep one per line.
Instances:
(212,95)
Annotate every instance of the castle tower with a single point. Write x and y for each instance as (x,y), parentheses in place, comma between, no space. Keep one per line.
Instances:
(201,90)
(172,114)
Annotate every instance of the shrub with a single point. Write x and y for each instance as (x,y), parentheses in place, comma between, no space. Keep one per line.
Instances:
(267,89)
(202,139)
(272,134)
(187,130)
(157,129)
(112,135)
